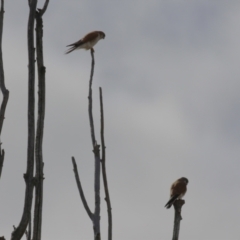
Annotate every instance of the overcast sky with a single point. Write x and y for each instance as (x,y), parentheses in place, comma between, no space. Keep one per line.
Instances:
(169,71)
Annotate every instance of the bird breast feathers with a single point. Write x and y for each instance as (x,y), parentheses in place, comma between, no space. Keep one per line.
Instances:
(89,41)
(178,187)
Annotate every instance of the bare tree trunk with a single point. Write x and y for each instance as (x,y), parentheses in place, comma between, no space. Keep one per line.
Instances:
(5,92)
(107,196)
(177,218)
(37,227)
(28,176)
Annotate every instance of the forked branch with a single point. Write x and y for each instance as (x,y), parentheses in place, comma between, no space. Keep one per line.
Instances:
(95,217)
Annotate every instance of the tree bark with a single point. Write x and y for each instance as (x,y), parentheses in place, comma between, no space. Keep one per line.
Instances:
(95,217)
(105,182)
(37,224)
(28,176)
(96,151)
(75,169)
(177,217)
(5,92)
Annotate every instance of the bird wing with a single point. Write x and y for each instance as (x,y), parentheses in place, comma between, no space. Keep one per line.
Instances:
(88,38)
(178,188)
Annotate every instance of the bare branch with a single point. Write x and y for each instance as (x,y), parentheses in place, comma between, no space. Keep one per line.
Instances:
(5,92)
(96,151)
(95,217)
(75,169)
(28,176)
(29,231)
(2,154)
(26,233)
(90,101)
(107,196)
(177,218)
(40,126)
(43,10)
(97,178)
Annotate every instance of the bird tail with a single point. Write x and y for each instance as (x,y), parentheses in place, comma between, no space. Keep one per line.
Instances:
(70,49)
(171,201)
(74,46)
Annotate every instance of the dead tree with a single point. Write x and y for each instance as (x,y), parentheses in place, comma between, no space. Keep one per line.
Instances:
(30,180)
(37,223)
(28,176)
(5,92)
(95,216)
(177,217)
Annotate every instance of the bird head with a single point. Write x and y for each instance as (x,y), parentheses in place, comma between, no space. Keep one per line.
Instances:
(185,180)
(102,34)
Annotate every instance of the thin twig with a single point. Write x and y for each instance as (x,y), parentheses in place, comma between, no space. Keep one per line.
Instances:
(28,176)
(97,179)
(2,154)
(5,92)
(177,218)
(90,101)
(105,182)
(97,164)
(75,169)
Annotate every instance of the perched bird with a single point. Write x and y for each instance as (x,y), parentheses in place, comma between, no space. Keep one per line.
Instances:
(177,191)
(86,42)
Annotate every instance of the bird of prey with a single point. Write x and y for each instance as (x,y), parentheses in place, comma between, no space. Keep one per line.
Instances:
(177,191)
(87,42)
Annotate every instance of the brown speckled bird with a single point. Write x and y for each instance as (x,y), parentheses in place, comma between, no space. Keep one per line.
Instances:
(87,42)
(177,191)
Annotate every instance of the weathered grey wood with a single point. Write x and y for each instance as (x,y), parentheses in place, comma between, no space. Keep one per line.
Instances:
(28,176)
(75,169)
(104,172)
(95,217)
(90,101)
(96,151)
(39,177)
(5,92)
(177,218)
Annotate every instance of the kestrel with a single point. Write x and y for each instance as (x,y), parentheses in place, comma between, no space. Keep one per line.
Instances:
(86,42)
(177,191)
